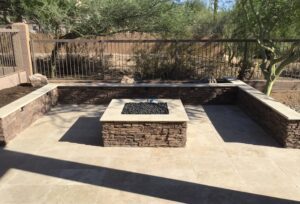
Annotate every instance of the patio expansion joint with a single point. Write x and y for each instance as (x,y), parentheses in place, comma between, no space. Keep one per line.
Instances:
(233,164)
(192,165)
(280,168)
(221,145)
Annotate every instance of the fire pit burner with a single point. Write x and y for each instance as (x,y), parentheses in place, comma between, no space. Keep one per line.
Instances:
(145,108)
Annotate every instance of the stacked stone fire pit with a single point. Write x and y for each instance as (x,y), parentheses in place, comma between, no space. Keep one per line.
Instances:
(145,123)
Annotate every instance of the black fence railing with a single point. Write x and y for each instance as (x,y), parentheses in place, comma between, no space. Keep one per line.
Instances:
(7,56)
(152,59)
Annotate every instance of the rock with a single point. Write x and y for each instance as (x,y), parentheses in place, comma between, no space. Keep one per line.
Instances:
(127,80)
(38,80)
(210,80)
(145,108)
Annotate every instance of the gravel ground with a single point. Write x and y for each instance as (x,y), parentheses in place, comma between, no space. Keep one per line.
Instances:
(289,98)
(145,108)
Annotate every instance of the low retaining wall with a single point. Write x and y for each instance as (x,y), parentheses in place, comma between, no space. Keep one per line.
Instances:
(189,94)
(20,114)
(278,120)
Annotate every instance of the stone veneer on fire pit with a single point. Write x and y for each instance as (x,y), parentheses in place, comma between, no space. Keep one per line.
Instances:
(146,130)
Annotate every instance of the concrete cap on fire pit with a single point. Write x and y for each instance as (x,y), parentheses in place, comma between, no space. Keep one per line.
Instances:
(113,112)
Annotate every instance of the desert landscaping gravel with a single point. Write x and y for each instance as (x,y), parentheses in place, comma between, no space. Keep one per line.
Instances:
(145,108)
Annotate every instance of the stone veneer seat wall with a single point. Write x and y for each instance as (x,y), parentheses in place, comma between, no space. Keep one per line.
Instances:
(188,94)
(278,120)
(18,115)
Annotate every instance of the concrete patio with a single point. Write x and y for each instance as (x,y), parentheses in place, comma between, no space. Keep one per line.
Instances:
(228,159)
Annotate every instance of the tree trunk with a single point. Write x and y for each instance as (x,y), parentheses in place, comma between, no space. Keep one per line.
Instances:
(54,53)
(269,86)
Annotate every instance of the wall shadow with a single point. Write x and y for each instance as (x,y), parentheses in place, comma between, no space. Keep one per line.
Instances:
(233,125)
(143,184)
(86,130)
(195,113)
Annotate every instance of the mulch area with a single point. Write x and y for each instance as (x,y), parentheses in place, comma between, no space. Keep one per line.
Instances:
(11,94)
(289,98)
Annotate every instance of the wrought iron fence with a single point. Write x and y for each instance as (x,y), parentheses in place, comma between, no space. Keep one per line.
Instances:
(151,59)
(7,55)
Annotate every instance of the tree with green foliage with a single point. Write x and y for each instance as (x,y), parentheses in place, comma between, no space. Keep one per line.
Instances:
(79,18)
(83,18)
(265,20)
(69,19)
(10,11)
(216,6)
(188,20)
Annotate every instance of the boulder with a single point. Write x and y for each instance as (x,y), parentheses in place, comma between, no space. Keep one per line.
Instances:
(127,80)
(210,80)
(38,80)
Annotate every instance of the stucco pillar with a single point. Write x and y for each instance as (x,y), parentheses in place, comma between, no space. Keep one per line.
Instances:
(22,48)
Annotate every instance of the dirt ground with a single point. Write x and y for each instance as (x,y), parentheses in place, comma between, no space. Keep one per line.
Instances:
(11,94)
(289,98)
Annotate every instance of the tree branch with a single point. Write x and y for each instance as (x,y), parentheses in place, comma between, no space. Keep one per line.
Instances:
(288,53)
(265,47)
(260,24)
(293,57)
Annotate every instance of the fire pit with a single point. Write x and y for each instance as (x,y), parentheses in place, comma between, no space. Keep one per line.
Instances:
(146,123)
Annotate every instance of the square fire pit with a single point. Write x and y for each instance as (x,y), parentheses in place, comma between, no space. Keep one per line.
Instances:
(140,122)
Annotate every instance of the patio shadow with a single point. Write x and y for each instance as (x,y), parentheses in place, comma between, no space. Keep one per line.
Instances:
(86,130)
(143,184)
(233,125)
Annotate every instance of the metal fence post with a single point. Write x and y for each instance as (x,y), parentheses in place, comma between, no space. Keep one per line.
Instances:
(245,52)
